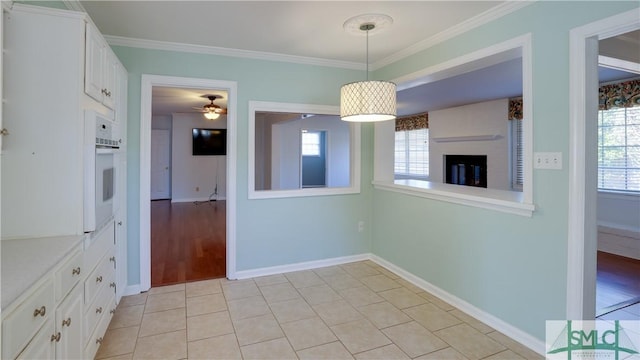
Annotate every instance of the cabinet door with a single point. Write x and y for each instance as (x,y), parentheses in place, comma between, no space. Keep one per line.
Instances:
(121,253)
(41,346)
(109,79)
(94,63)
(122,78)
(69,325)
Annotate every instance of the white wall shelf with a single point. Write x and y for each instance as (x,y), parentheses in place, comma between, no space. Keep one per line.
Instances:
(487,137)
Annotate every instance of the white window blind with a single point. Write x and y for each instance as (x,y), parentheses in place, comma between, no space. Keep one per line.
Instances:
(619,149)
(310,143)
(412,154)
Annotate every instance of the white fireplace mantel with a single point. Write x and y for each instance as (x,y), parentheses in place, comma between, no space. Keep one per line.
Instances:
(487,137)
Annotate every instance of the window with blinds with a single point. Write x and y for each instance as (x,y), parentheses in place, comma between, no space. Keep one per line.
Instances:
(619,149)
(412,154)
(310,143)
(517,155)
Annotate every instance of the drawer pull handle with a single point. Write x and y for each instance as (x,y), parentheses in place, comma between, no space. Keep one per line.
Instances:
(66,322)
(55,337)
(41,311)
(76,271)
(99,310)
(99,278)
(112,311)
(99,340)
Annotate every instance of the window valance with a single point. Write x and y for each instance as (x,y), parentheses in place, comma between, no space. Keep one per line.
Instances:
(515,108)
(621,95)
(412,122)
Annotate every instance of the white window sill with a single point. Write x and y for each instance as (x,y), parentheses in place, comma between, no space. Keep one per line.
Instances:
(499,200)
(622,195)
(304,192)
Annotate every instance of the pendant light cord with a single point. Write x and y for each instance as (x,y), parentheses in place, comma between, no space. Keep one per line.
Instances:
(366,27)
(367,53)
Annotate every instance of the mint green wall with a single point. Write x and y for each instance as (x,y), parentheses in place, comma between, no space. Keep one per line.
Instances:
(269,232)
(510,266)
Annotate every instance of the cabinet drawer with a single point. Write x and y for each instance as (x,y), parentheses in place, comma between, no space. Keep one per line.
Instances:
(99,277)
(41,347)
(68,275)
(97,245)
(95,339)
(21,325)
(101,306)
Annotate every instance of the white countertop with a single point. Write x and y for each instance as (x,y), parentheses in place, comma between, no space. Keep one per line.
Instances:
(25,261)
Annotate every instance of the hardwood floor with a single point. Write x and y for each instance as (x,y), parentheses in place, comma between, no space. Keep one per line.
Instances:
(188,241)
(617,287)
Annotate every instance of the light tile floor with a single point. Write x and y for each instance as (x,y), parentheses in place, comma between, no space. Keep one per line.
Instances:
(352,311)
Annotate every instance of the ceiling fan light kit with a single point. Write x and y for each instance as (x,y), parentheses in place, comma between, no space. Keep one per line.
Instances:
(210,115)
(370,100)
(212,111)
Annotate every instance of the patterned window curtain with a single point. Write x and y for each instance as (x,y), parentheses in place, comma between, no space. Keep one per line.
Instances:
(515,108)
(621,95)
(412,122)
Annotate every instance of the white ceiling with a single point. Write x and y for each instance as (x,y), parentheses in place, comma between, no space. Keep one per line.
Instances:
(311,30)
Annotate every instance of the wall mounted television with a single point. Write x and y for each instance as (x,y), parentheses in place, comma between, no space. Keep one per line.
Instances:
(209,141)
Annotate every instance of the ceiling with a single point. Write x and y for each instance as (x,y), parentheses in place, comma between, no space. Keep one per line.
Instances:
(313,30)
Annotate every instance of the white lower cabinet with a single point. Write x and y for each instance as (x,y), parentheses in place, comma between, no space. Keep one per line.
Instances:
(99,288)
(45,323)
(41,346)
(69,327)
(65,314)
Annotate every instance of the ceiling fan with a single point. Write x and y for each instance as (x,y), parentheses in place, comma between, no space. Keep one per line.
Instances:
(212,111)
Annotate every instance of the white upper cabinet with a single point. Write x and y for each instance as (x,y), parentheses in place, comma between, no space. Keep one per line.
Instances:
(100,68)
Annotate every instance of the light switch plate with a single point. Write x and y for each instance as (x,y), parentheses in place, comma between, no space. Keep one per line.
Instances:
(547,160)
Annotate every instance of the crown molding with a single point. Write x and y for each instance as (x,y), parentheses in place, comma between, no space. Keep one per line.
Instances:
(487,16)
(74,5)
(467,25)
(220,51)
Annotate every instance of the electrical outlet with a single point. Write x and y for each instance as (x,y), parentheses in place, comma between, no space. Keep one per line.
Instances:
(547,160)
(360,226)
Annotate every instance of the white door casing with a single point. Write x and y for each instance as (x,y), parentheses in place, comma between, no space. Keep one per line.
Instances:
(583,90)
(147,83)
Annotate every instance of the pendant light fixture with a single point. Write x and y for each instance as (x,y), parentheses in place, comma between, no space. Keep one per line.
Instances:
(370,100)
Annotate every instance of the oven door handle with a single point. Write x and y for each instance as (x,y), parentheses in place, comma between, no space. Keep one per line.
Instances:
(106,150)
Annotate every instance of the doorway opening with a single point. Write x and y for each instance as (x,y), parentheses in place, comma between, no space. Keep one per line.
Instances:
(314,158)
(201,199)
(583,193)
(618,200)
(188,185)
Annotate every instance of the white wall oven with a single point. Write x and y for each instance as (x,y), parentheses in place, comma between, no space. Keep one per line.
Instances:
(101,143)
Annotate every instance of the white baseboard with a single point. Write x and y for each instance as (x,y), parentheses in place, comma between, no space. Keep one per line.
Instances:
(513,332)
(307,265)
(221,198)
(622,242)
(518,335)
(131,290)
